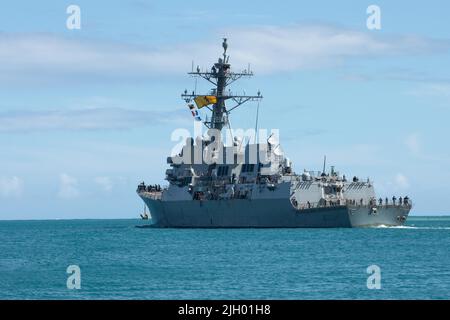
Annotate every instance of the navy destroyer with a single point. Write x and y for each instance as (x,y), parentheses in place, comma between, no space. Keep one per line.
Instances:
(213,184)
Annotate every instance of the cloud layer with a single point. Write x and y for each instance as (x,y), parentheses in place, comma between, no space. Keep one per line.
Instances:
(275,49)
(270,49)
(68,187)
(105,183)
(11,186)
(78,119)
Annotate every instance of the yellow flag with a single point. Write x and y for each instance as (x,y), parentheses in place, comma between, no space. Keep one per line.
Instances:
(202,101)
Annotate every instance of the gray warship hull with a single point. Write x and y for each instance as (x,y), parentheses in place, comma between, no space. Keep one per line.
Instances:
(268,213)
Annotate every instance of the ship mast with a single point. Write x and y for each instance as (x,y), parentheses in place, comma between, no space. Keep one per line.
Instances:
(221,76)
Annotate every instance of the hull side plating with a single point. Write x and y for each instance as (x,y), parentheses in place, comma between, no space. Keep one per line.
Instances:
(265,213)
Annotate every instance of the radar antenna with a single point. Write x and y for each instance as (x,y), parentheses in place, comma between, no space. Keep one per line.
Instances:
(221,76)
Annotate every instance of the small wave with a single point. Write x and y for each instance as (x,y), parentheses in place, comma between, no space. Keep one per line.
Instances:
(434,228)
(412,227)
(396,227)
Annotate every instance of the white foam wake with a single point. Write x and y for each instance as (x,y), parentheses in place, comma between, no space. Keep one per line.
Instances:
(396,227)
(412,227)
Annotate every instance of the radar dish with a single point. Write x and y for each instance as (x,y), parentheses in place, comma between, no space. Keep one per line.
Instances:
(278,150)
(272,139)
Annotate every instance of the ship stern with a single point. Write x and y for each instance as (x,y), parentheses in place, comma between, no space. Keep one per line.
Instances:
(374,216)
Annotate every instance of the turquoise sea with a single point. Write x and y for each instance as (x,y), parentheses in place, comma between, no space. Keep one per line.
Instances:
(119,261)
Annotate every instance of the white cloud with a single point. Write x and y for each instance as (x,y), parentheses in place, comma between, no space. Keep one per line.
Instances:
(105,183)
(413,143)
(436,89)
(11,187)
(68,186)
(394,185)
(273,48)
(80,119)
(401,181)
(269,49)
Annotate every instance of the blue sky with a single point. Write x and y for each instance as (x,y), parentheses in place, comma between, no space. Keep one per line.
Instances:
(87,114)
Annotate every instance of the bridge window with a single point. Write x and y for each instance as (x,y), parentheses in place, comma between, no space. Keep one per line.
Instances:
(248,167)
(222,171)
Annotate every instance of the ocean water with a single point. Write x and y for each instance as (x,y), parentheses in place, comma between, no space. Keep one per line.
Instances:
(119,261)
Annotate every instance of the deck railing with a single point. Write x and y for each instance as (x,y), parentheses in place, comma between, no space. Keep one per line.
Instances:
(351,203)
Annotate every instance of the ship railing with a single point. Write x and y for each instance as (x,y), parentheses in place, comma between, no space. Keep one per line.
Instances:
(330,204)
(377,204)
(150,191)
(314,205)
(155,195)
